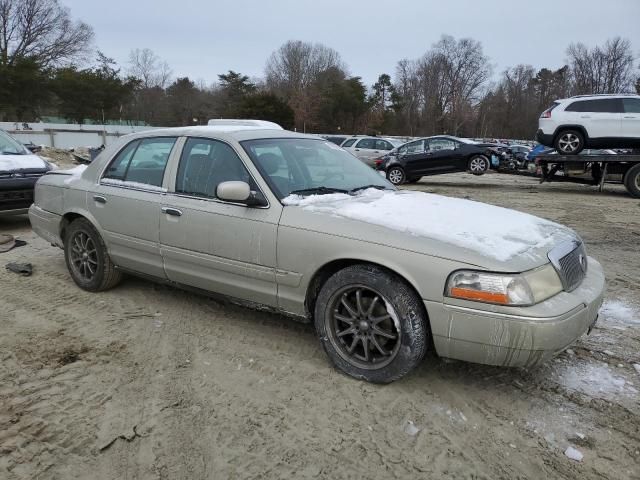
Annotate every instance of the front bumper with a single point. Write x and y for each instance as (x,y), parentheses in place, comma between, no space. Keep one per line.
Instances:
(518,340)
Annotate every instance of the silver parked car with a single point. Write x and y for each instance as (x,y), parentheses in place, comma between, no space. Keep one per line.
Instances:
(295,223)
(368,149)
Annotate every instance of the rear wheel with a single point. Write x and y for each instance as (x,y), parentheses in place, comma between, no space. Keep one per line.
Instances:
(632,180)
(569,142)
(371,323)
(396,175)
(479,165)
(87,259)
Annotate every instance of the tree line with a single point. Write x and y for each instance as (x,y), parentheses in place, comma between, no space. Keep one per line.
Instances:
(46,70)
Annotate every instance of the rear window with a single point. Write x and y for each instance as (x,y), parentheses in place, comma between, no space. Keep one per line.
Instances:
(604,105)
(349,142)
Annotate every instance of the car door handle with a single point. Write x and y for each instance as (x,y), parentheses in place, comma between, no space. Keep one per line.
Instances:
(585,116)
(172,211)
(357,149)
(99,199)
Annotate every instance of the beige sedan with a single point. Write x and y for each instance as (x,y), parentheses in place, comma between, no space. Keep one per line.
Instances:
(294,223)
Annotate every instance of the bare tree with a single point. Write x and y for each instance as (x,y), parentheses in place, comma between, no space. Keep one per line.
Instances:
(148,67)
(606,69)
(293,71)
(41,30)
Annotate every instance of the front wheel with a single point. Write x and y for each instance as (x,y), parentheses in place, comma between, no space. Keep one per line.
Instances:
(396,175)
(87,259)
(372,325)
(479,165)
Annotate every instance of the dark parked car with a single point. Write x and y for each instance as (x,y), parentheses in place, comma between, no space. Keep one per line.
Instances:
(19,171)
(433,156)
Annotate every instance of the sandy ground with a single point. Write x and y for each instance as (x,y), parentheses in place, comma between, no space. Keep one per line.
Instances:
(146,382)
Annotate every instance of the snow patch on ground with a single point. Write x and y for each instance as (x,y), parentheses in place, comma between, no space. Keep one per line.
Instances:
(595,380)
(619,311)
(496,232)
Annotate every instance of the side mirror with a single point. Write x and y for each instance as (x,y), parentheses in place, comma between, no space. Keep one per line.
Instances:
(233,191)
(240,192)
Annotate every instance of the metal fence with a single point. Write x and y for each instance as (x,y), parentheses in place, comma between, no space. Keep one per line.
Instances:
(60,135)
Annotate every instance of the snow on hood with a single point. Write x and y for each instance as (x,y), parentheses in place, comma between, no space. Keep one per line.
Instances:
(493,231)
(17,162)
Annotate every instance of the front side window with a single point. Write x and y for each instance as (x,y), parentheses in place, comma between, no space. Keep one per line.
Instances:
(368,143)
(141,161)
(290,164)
(204,164)
(631,105)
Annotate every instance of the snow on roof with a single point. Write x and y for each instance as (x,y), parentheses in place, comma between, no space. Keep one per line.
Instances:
(243,124)
(493,231)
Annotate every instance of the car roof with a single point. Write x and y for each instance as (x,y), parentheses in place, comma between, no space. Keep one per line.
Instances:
(598,96)
(237,132)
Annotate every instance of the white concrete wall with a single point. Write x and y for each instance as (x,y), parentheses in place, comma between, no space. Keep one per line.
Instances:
(61,135)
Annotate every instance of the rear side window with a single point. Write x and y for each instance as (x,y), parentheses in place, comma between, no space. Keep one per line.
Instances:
(604,105)
(369,143)
(349,142)
(142,161)
(383,145)
(631,105)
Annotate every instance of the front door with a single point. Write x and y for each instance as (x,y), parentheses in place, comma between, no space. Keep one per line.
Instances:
(214,245)
(126,204)
(631,118)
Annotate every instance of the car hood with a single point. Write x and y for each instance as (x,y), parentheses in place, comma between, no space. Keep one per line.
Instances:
(475,233)
(12,163)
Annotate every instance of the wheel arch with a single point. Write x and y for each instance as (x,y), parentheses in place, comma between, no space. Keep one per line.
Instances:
(74,214)
(322,274)
(562,128)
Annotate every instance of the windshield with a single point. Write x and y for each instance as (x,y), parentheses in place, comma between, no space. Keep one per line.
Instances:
(309,166)
(9,146)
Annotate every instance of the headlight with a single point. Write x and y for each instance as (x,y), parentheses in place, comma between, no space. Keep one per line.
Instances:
(520,289)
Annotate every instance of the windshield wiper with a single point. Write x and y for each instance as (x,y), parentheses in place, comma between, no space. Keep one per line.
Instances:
(317,191)
(364,187)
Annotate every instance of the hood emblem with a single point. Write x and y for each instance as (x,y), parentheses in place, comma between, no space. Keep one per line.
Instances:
(583,262)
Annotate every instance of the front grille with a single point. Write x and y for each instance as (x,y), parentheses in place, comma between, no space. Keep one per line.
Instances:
(570,261)
(14,199)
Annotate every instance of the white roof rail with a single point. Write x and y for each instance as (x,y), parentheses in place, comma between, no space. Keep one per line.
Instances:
(258,124)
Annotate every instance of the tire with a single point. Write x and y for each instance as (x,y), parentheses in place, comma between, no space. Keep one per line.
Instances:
(569,142)
(632,181)
(478,165)
(362,352)
(87,259)
(396,175)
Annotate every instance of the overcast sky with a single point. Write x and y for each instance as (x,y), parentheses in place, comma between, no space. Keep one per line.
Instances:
(202,38)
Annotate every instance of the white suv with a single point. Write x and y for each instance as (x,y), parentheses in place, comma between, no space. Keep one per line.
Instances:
(591,121)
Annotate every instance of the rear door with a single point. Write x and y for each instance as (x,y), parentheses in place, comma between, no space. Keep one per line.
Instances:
(602,117)
(366,150)
(211,244)
(126,203)
(631,118)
